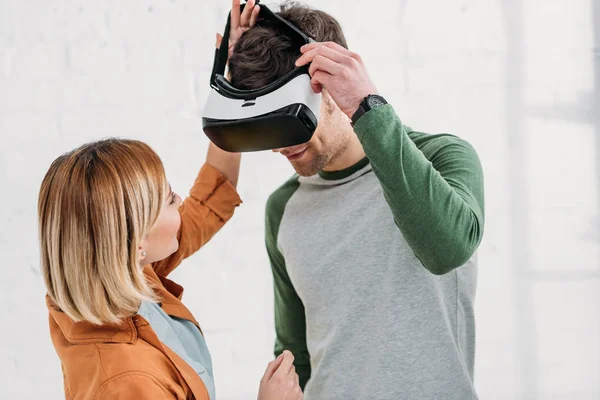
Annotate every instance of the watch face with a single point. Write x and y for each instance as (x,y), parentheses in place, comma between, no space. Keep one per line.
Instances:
(375,101)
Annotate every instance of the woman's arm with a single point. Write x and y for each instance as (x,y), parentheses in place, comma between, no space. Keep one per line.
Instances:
(213,196)
(209,206)
(227,163)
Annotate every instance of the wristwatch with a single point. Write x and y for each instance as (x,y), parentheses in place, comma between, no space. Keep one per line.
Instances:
(370,102)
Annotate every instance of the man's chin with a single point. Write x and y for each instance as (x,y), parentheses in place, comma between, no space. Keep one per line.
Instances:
(304,169)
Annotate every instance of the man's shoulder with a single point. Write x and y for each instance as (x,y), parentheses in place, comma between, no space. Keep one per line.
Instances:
(278,199)
(432,144)
(276,206)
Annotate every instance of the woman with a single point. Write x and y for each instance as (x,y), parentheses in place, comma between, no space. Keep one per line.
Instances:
(111,230)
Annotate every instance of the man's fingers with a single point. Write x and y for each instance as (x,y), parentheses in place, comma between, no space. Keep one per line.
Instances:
(235,14)
(310,55)
(254,16)
(322,63)
(219,40)
(286,364)
(245,19)
(324,51)
(319,80)
(331,45)
(316,87)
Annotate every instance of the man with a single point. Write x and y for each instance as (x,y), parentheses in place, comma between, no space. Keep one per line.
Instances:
(372,243)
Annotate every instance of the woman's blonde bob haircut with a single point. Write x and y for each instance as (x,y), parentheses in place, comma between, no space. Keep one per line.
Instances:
(96,204)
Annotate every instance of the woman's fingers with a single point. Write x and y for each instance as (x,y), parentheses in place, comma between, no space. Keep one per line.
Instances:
(286,364)
(245,18)
(272,367)
(254,16)
(235,14)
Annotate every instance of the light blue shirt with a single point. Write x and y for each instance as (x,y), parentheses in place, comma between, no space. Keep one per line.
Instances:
(184,338)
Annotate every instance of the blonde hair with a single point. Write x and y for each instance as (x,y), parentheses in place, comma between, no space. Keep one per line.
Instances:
(96,204)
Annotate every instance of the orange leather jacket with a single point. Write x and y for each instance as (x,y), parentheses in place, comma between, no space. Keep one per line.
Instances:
(128,361)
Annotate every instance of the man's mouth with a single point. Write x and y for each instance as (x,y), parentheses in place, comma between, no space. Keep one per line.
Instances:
(296,155)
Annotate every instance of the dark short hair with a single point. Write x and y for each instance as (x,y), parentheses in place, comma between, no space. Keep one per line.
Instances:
(265,52)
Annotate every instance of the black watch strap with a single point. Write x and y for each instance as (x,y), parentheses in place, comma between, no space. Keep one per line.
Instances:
(359,113)
(368,103)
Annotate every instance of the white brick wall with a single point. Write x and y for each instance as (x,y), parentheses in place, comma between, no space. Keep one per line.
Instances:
(73,71)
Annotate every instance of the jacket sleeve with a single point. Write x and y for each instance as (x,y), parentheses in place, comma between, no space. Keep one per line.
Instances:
(209,206)
(434,192)
(134,385)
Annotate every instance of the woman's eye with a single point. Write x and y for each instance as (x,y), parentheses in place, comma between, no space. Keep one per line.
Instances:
(173,198)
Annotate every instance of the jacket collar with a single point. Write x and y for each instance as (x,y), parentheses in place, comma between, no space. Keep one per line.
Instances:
(168,292)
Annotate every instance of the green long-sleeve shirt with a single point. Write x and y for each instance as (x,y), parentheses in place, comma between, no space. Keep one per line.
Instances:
(369,250)
(433,185)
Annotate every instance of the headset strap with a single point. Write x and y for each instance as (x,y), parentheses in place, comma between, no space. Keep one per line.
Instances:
(222,53)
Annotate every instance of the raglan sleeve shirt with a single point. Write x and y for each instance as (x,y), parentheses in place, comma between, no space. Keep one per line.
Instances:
(433,185)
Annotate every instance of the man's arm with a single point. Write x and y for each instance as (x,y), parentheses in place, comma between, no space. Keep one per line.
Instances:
(290,320)
(436,195)
(437,201)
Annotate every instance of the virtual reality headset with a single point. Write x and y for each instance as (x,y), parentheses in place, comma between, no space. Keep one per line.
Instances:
(282,114)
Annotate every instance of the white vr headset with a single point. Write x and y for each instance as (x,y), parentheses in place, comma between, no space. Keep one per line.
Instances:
(282,114)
